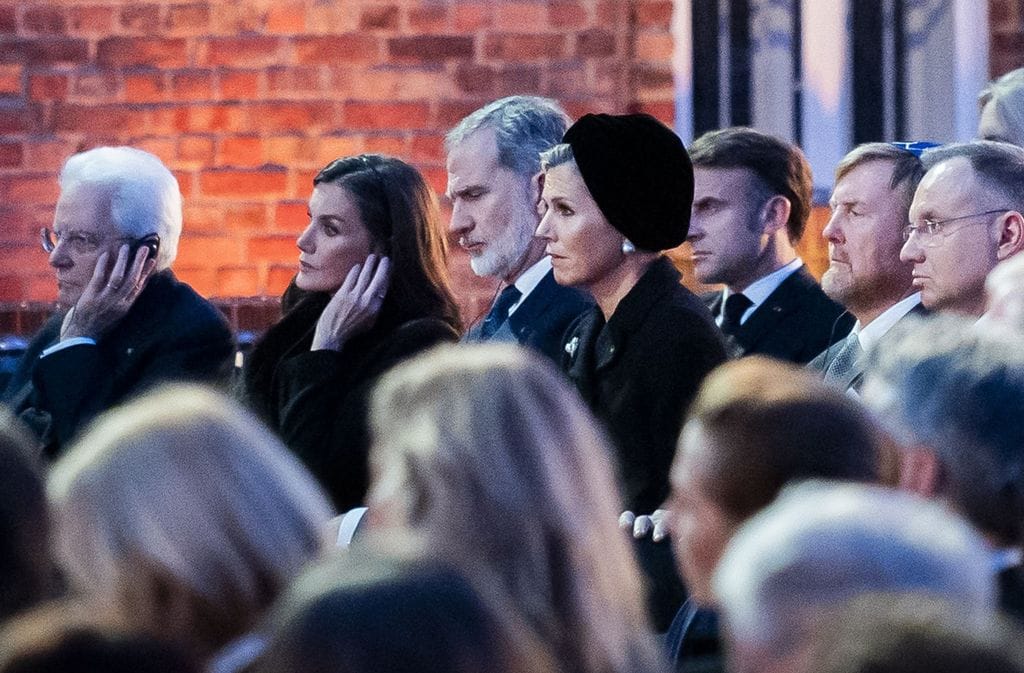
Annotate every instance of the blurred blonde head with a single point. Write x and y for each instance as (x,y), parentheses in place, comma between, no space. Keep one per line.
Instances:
(1004,288)
(486,453)
(182,513)
(1001,104)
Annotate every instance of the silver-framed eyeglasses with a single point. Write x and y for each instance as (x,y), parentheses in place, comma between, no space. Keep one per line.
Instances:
(80,242)
(931,230)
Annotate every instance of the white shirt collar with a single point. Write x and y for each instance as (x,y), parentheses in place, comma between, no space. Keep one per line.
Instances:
(762,288)
(529,279)
(868,335)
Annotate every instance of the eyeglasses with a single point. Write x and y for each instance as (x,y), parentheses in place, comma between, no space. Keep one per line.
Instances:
(80,242)
(930,230)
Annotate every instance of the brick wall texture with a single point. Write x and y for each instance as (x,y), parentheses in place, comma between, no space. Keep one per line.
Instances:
(246,99)
(1006,21)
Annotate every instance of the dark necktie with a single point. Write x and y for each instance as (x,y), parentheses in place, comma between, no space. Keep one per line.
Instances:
(843,364)
(499,312)
(735,306)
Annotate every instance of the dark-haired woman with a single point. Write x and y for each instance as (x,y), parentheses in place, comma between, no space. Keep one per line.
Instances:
(372,290)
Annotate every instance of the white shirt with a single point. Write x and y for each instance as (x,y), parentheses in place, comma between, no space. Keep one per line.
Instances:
(67,343)
(870,334)
(529,279)
(762,288)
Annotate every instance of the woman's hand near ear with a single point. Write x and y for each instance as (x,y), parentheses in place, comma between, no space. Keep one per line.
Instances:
(355,306)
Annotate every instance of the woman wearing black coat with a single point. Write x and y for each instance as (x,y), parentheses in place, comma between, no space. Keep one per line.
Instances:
(618,191)
(372,290)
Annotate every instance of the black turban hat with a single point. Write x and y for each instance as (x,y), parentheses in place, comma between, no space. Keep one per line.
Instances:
(639,174)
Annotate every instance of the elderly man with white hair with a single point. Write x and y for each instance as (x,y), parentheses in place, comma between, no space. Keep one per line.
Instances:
(125,321)
(823,544)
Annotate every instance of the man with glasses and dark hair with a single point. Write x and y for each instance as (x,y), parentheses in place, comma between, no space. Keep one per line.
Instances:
(966,218)
(125,322)
(874,186)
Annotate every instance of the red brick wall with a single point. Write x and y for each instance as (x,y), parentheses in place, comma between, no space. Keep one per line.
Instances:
(246,99)
(1006,22)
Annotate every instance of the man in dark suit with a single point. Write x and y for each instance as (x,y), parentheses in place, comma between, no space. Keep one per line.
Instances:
(874,187)
(494,184)
(752,198)
(128,323)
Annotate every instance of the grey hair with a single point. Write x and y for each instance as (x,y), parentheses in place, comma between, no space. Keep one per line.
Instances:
(556,156)
(524,126)
(942,384)
(1007,95)
(823,543)
(142,195)
(999,167)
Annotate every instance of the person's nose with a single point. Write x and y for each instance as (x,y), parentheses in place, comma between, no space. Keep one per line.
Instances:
(695,232)
(59,257)
(461,221)
(912,251)
(306,240)
(833,231)
(544,230)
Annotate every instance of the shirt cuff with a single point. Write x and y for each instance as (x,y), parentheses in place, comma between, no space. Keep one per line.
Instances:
(67,343)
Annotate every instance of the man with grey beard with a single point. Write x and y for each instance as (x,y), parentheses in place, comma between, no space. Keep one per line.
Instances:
(494,185)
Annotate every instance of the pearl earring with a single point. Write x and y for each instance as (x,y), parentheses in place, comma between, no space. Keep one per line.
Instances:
(628,247)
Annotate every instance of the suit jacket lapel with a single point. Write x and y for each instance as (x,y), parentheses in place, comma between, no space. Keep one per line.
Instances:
(581,367)
(713,300)
(774,310)
(527,315)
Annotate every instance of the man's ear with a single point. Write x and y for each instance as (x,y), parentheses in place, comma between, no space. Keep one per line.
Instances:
(775,214)
(920,471)
(1011,235)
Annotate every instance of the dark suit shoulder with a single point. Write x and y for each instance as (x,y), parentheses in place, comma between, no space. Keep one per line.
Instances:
(416,335)
(542,319)
(185,302)
(810,292)
(713,300)
(549,300)
(795,323)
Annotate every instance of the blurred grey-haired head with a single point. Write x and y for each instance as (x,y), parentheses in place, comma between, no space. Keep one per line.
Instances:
(823,543)
(944,384)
